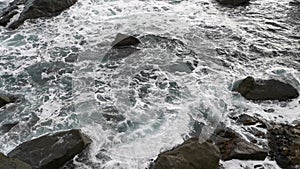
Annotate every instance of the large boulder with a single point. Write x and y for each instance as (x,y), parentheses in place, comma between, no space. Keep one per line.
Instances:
(51,151)
(233,2)
(284,142)
(189,155)
(233,146)
(32,9)
(12,163)
(265,89)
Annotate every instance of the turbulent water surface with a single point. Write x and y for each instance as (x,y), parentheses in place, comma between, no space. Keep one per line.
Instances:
(137,106)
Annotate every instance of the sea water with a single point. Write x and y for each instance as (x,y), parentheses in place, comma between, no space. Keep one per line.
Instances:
(131,120)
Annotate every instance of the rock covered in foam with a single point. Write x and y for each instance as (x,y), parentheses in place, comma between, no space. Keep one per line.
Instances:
(190,155)
(53,150)
(271,89)
(32,9)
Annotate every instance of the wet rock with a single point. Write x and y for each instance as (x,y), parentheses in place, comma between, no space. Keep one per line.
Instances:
(284,142)
(189,155)
(232,146)
(12,163)
(71,58)
(233,2)
(6,127)
(122,47)
(125,40)
(253,89)
(246,120)
(32,9)
(5,99)
(51,151)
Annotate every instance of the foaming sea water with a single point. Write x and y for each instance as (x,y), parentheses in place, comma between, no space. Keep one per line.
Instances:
(135,107)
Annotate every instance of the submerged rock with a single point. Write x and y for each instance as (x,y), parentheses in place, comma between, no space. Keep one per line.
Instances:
(266,90)
(43,72)
(51,151)
(32,9)
(284,142)
(12,163)
(233,2)
(189,155)
(232,146)
(4,100)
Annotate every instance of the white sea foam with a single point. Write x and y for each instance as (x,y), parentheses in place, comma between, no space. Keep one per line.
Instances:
(153,124)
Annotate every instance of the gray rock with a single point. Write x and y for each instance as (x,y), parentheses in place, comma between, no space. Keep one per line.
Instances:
(51,151)
(6,127)
(284,142)
(125,40)
(233,2)
(232,146)
(5,99)
(12,163)
(122,47)
(189,155)
(253,89)
(33,9)
(247,120)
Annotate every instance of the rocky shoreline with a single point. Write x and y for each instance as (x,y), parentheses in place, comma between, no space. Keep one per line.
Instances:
(224,144)
(54,150)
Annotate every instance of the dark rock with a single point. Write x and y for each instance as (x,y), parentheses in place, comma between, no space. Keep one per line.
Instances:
(12,163)
(233,2)
(189,155)
(258,166)
(266,90)
(122,47)
(232,146)
(33,9)
(6,127)
(125,40)
(51,151)
(295,2)
(284,142)
(5,99)
(71,58)
(246,120)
